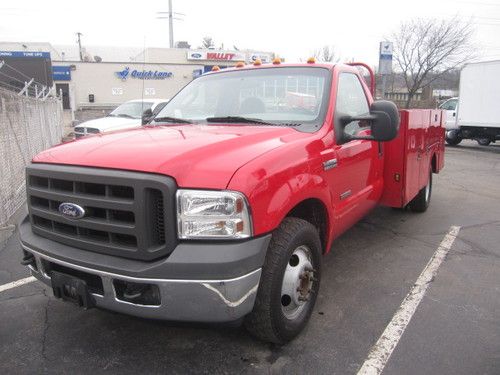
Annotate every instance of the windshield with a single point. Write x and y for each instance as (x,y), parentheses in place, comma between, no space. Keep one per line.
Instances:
(281,96)
(449,105)
(131,109)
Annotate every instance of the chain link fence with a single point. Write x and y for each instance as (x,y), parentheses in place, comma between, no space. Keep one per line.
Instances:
(27,126)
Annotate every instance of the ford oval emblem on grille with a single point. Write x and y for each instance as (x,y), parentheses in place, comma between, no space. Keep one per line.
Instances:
(71,211)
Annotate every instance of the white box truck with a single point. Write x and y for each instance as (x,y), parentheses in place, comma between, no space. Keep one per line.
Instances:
(478,111)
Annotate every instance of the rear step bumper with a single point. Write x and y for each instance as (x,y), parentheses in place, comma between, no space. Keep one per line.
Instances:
(210,300)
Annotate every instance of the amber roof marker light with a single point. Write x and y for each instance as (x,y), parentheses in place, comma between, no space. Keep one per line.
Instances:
(257,62)
(240,64)
(276,61)
(215,68)
(311,60)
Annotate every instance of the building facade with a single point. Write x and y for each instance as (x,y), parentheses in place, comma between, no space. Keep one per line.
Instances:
(109,76)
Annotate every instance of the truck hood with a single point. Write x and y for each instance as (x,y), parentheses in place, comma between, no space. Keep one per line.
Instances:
(110,123)
(204,156)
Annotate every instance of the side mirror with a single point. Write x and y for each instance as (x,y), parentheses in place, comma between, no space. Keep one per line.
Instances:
(146,116)
(383,120)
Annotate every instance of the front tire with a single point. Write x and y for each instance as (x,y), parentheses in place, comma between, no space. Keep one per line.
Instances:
(421,202)
(453,141)
(289,283)
(453,137)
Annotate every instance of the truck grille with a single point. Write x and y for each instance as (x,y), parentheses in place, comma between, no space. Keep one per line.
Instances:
(127,214)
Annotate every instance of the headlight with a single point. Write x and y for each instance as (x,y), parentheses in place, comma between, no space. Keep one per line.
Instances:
(212,214)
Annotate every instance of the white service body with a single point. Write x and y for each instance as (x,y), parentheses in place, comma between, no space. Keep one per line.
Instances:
(478,112)
(479,97)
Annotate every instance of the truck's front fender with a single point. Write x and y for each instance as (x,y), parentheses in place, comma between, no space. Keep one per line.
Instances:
(274,191)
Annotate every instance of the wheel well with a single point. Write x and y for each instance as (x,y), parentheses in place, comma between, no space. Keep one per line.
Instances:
(434,163)
(313,211)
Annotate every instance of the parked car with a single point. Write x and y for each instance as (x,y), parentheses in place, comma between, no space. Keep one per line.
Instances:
(221,207)
(131,114)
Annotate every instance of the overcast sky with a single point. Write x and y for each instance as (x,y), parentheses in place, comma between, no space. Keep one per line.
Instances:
(291,28)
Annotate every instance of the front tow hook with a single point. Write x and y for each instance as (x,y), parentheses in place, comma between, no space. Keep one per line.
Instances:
(28,260)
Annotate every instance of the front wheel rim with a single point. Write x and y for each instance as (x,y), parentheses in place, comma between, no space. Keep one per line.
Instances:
(298,281)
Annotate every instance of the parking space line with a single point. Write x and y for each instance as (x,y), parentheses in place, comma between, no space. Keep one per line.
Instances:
(381,352)
(16,283)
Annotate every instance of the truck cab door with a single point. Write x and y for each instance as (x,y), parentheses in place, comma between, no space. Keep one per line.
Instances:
(356,180)
(450,106)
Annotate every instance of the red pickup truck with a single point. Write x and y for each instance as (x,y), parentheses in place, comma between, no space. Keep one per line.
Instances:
(221,207)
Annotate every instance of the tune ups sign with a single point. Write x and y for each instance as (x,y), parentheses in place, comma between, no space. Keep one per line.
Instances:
(142,74)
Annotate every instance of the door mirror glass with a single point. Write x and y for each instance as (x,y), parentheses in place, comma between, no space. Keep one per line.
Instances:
(383,121)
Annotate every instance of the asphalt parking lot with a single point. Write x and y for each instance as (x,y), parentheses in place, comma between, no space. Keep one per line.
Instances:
(455,329)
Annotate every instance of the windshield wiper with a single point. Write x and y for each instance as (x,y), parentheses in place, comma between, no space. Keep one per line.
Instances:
(172,119)
(123,115)
(244,120)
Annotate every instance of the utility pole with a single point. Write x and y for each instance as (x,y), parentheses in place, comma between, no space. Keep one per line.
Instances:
(171,15)
(170,24)
(79,34)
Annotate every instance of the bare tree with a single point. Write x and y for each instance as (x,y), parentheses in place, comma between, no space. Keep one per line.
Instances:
(326,54)
(425,49)
(207,42)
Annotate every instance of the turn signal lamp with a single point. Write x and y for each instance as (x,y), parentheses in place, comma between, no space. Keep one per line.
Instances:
(240,64)
(311,60)
(215,68)
(257,62)
(276,61)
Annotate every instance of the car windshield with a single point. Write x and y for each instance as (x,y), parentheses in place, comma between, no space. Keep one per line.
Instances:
(131,109)
(281,96)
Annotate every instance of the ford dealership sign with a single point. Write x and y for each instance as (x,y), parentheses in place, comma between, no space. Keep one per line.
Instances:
(219,55)
(214,55)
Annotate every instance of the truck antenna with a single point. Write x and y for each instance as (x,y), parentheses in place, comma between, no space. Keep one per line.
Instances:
(143,66)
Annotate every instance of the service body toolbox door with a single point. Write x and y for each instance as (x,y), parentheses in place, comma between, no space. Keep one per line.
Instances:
(402,160)
(414,152)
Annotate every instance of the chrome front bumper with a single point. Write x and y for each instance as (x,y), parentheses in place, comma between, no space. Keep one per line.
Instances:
(181,300)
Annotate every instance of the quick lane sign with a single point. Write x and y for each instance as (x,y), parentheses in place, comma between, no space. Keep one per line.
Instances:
(143,74)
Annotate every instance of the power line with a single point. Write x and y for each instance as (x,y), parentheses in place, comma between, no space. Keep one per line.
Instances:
(486,18)
(170,16)
(477,3)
